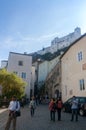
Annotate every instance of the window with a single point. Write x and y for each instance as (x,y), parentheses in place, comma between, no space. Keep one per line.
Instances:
(23,75)
(82,100)
(15,72)
(82,84)
(80,56)
(70,100)
(20,63)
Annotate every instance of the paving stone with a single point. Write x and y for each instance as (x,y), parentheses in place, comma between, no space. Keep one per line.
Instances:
(41,120)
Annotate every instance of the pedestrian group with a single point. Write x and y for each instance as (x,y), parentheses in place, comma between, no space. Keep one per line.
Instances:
(55,106)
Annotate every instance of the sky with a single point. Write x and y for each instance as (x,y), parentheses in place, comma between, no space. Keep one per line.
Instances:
(30,25)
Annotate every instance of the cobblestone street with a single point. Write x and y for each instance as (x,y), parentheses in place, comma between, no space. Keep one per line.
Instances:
(41,120)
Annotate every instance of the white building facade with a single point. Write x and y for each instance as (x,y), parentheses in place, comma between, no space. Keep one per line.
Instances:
(45,68)
(21,64)
(59,43)
(4,63)
(44,51)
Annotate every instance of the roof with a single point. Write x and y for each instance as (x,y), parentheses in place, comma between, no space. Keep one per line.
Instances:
(20,53)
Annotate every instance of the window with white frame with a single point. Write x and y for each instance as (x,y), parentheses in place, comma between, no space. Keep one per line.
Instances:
(23,75)
(82,84)
(80,56)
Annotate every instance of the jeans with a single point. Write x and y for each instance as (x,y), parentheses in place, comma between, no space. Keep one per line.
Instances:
(32,111)
(59,114)
(11,118)
(52,115)
(74,113)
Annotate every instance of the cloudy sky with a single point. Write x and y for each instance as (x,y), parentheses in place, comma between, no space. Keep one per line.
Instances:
(30,25)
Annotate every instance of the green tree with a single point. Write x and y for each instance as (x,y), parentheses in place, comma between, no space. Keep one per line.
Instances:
(11,84)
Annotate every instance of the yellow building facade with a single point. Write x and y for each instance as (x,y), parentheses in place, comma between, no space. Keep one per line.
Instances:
(73,69)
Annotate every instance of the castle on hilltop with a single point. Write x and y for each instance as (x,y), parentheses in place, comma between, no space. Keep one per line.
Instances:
(59,43)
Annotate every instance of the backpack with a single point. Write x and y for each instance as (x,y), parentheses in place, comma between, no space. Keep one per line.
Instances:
(59,104)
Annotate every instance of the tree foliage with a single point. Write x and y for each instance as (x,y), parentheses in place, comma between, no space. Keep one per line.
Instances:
(11,84)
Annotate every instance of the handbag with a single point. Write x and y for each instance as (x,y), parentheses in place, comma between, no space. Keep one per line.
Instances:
(18,113)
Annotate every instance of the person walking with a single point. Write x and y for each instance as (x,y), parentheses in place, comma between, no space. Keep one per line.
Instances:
(52,108)
(59,107)
(14,106)
(74,109)
(22,102)
(32,106)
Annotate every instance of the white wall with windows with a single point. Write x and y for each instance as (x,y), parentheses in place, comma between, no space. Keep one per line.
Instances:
(45,68)
(59,43)
(21,64)
(65,41)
